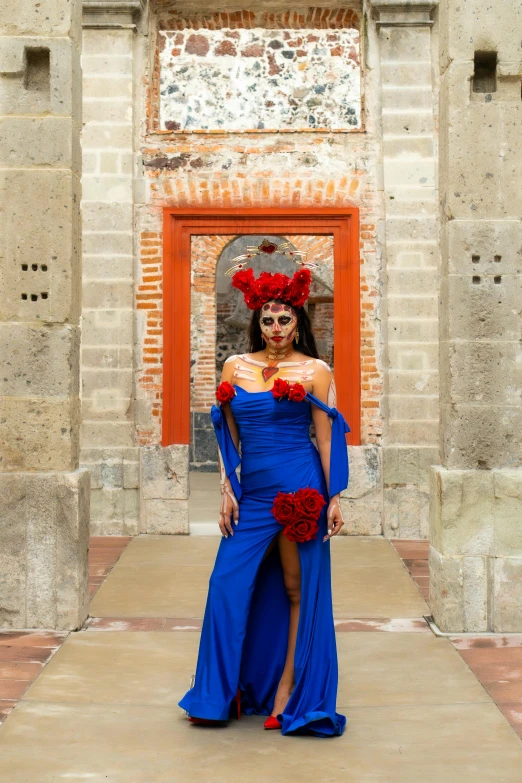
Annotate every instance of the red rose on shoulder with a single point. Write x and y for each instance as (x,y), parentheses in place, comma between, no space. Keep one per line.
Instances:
(301,531)
(308,503)
(283,508)
(297,392)
(280,388)
(225,392)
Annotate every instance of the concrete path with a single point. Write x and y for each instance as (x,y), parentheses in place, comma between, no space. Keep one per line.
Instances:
(104,709)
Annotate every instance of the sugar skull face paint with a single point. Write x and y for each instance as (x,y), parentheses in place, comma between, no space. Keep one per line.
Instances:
(278,324)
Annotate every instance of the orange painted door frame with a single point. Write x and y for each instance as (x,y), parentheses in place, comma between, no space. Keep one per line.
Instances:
(179,225)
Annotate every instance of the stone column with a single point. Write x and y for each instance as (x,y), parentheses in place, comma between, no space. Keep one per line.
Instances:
(111,81)
(44,498)
(476,492)
(410,444)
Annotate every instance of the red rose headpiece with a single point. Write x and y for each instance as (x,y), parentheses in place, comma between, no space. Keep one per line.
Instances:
(293,290)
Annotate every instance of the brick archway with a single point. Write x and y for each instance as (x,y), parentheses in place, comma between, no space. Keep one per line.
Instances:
(181,225)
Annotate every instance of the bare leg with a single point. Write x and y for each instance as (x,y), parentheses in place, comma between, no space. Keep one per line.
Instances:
(289,555)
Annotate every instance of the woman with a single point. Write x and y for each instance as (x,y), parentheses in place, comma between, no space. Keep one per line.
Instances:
(268,641)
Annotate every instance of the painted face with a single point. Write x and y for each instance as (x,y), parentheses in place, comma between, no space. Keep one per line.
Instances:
(278,324)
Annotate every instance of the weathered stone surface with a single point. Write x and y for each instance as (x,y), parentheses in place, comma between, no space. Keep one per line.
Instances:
(43,18)
(406,512)
(506,603)
(131,478)
(13,534)
(107,434)
(365,471)
(482,306)
(482,372)
(107,327)
(39,434)
(166,516)
(43,543)
(508,513)
(44,370)
(404,43)
(362,517)
(466,30)
(112,473)
(458,592)
(477,247)
(481,436)
(50,238)
(462,513)
(408,464)
(37,141)
(55,94)
(164,472)
(114,511)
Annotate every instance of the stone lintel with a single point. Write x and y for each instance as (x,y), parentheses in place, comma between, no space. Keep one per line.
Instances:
(112,13)
(403,13)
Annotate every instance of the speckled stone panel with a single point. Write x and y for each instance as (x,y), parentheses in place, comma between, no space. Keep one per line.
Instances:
(245,80)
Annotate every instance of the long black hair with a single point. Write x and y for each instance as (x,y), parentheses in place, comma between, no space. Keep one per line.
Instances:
(306,342)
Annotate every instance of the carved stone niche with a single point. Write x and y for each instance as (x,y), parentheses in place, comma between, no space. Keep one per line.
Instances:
(112,13)
(403,13)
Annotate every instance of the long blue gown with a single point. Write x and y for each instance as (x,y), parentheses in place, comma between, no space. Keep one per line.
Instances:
(245,626)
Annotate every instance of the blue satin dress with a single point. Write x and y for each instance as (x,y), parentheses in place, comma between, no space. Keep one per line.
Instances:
(245,626)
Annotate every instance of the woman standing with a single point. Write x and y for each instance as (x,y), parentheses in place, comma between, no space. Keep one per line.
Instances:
(268,642)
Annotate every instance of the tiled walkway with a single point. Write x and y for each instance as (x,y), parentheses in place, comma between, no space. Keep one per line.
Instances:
(105,706)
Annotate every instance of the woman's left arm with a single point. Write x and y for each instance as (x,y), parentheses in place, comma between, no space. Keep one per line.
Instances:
(324,389)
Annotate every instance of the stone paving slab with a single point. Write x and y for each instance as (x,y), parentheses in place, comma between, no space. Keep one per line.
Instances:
(44,742)
(168,576)
(155,668)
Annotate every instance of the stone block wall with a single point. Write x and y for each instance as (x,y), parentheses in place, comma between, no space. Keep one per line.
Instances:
(107,437)
(408,115)
(44,497)
(476,551)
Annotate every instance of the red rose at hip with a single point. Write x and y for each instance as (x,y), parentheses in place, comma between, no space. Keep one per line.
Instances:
(224,392)
(283,508)
(296,392)
(302,531)
(280,388)
(309,502)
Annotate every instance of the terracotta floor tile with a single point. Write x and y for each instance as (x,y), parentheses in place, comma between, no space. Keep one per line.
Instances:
(98,571)
(486,642)
(19,670)
(12,689)
(37,654)
(109,541)
(510,656)
(30,639)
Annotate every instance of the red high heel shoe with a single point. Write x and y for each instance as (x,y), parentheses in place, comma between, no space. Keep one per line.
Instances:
(237,699)
(272,723)
(210,722)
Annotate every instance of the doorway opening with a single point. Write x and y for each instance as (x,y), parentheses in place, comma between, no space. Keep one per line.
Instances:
(205,320)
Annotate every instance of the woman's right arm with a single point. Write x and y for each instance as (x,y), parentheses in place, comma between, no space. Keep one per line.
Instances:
(229,505)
